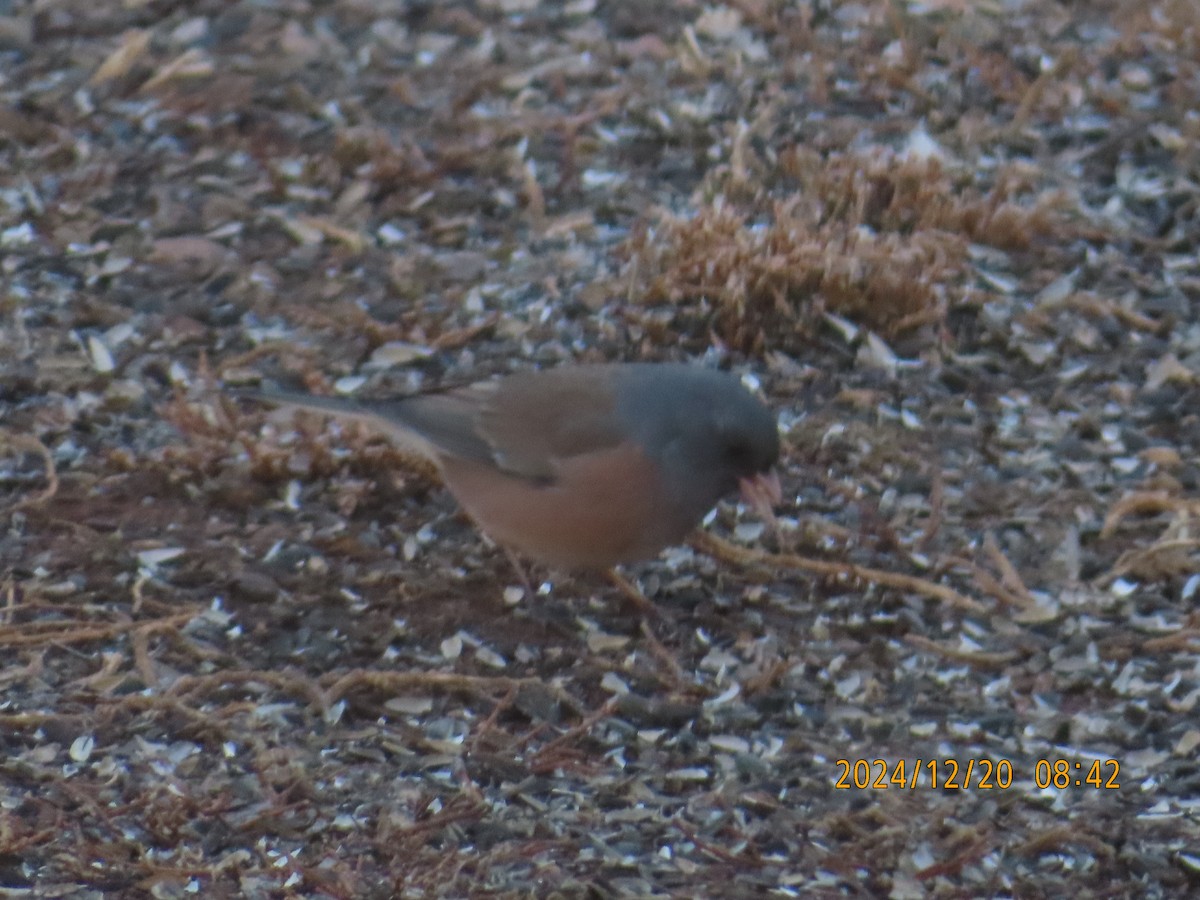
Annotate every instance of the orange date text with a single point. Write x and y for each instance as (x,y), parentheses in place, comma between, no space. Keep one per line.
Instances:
(972,774)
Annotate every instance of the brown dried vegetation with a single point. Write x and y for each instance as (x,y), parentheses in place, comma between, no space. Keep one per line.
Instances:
(877,239)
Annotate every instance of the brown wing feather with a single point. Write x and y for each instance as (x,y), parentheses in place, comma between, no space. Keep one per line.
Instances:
(448,421)
(535,420)
(525,424)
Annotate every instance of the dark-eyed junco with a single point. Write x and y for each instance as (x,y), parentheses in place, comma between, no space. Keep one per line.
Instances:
(585,467)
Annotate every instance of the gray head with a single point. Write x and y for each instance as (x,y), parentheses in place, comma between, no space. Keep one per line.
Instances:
(708,432)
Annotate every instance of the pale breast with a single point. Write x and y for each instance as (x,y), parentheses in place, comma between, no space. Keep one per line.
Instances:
(602,509)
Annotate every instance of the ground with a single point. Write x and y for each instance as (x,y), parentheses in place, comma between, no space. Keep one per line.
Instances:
(250,654)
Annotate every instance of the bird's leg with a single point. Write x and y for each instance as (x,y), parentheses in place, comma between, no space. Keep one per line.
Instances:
(674,674)
(522,573)
(633,594)
(548,615)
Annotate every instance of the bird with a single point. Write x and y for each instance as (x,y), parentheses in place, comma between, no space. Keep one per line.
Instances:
(588,466)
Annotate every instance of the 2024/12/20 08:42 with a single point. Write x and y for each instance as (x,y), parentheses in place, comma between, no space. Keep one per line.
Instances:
(982,774)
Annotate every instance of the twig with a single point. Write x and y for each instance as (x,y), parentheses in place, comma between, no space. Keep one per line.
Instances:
(583,727)
(288,682)
(75,632)
(338,685)
(723,550)
(33,445)
(1009,576)
(1179,640)
(966,657)
(937,495)
(677,679)
(988,583)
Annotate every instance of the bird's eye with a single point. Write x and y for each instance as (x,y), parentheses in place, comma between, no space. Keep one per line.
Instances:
(739,454)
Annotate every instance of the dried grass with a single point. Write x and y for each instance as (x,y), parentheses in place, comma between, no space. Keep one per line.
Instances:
(877,239)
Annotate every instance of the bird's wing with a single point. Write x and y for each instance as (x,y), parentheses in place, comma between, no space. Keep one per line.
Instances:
(525,424)
(533,421)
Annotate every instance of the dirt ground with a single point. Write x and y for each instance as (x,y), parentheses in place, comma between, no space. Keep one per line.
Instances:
(250,654)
